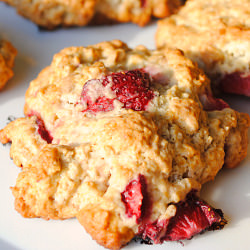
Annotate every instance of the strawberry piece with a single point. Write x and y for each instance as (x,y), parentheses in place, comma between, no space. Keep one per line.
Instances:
(130,88)
(143,3)
(101,104)
(192,217)
(155,231)
(211,103)
(43,132)
(236,83)
(135,198)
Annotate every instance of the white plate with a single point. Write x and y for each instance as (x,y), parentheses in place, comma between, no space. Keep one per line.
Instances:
(230,191)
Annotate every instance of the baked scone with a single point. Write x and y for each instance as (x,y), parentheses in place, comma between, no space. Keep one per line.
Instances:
(7,57)
(123,140)
(216,35)
(51,14)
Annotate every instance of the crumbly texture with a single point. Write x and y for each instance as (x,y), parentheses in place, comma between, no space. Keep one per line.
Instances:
(51,14)
(215,34)
(173,142)
(7,57)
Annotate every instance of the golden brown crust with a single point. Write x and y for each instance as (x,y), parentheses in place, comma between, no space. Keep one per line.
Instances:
(51,14)
(32,202)
(23,146)
(174,143)
(7,56)
(237,142)
(103,228)
(215,34)
(139,12)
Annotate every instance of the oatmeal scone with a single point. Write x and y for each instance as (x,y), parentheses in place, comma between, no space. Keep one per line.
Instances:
(7,57)
(123,139)
(51,14)
(216,35)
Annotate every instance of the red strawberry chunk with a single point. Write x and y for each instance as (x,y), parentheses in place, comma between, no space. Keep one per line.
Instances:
(143,3)
(135,198)
(101,104)
(236,83)
(192,217)
(211,103)
(155,231)
(130,88)
(43,132)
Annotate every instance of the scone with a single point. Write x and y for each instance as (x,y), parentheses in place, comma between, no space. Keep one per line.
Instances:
(216,35)
(51,14)
(7,57)
(123,139)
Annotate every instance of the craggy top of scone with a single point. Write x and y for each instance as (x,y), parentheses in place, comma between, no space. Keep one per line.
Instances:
(7,57)
(105,118)
(215,33)
(53,13)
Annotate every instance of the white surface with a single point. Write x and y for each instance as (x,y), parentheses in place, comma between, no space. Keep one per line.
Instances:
(230,191)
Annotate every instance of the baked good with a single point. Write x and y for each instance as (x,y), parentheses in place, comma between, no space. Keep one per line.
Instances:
(7,57)
(51,14)
(216,35)
(121,139)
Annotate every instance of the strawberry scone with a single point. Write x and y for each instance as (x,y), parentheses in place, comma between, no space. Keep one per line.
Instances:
(123,139)
(51,14)
(7,57)
(216,35)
